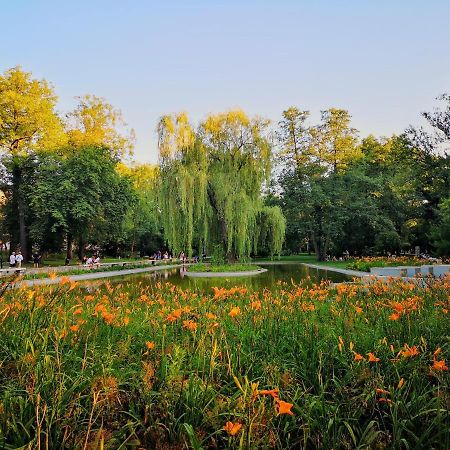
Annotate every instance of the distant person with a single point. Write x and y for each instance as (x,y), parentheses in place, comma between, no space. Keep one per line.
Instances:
(89,261)
(97,261)
(36,260)
(19,259)
(12,260)
(67,261)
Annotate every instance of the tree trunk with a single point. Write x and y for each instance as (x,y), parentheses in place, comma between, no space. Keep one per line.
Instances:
(80,248)
(69,254)
(17,186)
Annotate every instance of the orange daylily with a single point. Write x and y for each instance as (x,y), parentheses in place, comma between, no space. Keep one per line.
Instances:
(381,391)
(408,351)
(272,392)
(394,316)
(190,325)
(372,357)
(232,428)
(234,311)
(150,345)
(358,357)
(439,365)
(284,407)
(256,305)
(64,280)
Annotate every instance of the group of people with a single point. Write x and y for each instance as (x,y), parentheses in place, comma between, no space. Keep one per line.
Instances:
(159,255)
(15,260)
(91,261)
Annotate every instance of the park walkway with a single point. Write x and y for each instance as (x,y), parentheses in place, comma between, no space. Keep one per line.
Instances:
(348,272)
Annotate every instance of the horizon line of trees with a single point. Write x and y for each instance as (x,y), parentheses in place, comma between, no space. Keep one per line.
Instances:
(233,186)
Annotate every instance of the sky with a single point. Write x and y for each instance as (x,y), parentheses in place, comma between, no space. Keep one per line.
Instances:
(383,60)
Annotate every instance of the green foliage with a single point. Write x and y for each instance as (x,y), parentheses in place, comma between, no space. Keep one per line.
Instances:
(128,366)
(379,196)
(80,194)
(224,267)
(210,184)
(441,232)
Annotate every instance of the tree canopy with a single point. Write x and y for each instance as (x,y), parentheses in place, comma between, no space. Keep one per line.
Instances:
(211,181)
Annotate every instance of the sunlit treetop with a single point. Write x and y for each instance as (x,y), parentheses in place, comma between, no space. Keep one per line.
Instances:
(95,122)
(28,120)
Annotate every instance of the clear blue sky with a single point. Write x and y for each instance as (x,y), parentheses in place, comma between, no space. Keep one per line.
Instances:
(383,60)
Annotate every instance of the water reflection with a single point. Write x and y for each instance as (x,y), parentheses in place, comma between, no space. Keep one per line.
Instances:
(275,274)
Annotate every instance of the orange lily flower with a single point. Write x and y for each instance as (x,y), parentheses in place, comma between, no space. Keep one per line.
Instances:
(232,428)
(150,345)
(408,352)
(358,357)
(439,365)
(190,325)
(284,407)
(234,311)
(372,357)
(272,392)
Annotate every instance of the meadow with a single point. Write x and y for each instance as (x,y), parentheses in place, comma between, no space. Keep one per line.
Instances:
(300,366)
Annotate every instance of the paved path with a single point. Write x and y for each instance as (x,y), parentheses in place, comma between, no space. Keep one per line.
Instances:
(96,275)
(351,273)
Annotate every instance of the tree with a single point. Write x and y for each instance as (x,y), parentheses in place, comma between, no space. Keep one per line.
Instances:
(142,222)
(28,122)
(440,233)
(312,158)
(94,122)
(211,182)
(81,196)
(333,141)
(430,169)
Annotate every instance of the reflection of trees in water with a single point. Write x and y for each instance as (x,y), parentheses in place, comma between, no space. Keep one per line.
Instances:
(276,274)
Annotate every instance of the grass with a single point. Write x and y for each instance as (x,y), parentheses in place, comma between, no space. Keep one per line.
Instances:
(302,366)
(306,259)
(224,267)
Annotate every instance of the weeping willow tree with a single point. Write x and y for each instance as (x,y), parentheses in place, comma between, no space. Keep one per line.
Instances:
(210,185)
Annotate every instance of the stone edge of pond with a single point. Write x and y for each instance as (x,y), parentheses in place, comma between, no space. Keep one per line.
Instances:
(245,273)
(349,272)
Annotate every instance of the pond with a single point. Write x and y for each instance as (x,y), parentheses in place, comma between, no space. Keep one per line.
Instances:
(278,272)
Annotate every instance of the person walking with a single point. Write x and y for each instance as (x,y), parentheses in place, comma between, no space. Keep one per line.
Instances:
(12,260)
(36,258)
(19,259)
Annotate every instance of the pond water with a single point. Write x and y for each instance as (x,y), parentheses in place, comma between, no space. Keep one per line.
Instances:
(284,272)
